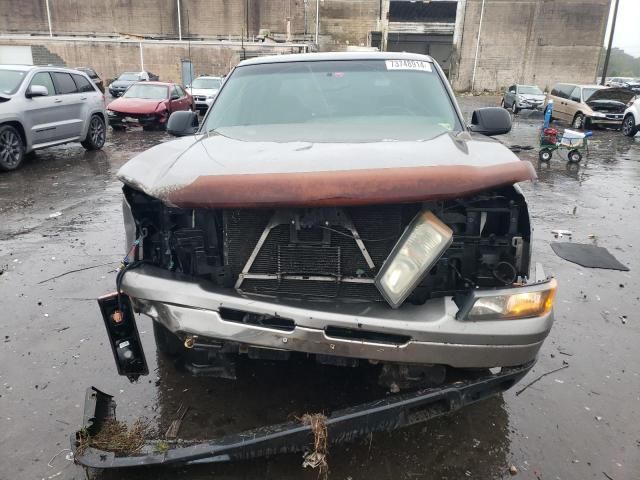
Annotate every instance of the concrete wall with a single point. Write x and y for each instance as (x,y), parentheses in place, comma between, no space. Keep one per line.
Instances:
(155,18)
(347,22)
(110,58)
(343,22)
(531,41)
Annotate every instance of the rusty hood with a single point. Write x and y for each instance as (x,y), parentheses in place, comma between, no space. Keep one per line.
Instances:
(214,171)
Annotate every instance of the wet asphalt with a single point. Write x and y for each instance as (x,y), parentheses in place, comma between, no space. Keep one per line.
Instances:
(61,212)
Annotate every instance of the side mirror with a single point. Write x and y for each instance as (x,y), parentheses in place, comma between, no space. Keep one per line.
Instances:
(490,121)
(37,91)
(182,123)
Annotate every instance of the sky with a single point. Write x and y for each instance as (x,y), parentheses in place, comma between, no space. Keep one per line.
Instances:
(627,32)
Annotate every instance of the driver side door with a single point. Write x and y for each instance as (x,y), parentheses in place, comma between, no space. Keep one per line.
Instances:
(180,100)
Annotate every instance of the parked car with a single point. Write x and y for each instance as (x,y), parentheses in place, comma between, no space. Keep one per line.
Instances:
(520,97)
(125,80)
(625,82)
(334,204)
(91,73)
(45,106)
(586,106)
(203,90)
(148,104)
(631,122)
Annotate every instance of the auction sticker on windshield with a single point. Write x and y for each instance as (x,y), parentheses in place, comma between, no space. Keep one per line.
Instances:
(408,65)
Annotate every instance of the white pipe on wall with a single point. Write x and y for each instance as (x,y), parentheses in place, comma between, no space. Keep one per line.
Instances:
(141,57)
(49,18)
(179,21)
(317,20)
(475,60)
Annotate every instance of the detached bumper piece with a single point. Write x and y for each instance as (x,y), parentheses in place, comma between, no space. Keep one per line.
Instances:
(345,425)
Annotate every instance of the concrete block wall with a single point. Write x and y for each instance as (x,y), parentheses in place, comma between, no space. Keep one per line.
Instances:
(154,18)
(347,22)
(531,41)
(110,58)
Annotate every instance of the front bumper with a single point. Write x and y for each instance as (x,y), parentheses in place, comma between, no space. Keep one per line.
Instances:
(202,105)
(422,334)
(613,119)
(523,105)
(124,119)
(342,426)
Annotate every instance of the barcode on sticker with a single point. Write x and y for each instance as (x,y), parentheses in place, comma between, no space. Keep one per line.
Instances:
(408,65)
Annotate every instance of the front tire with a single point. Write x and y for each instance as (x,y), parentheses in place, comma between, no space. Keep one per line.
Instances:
(514,107)
(96,135)
(12,148)
(574,156)
(629,127)
(502,103)
(545,155)
(578,121)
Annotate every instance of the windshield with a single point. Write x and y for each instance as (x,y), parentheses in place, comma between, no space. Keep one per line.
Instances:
(128,77)
(529,90)
(147,92)
(587,92)
(334,101)
(10,81)
(207,83)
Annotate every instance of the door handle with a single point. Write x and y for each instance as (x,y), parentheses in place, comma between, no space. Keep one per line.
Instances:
(57,100)
(83,98)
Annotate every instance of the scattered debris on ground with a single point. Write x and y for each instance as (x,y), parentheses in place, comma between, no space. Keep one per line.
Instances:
(513,470)
(564,365)
(75,271)
(587,255)
(317,458)
(562,233)
(117,437)
(174,428)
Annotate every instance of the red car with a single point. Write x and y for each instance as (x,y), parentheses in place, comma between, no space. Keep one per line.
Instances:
(148,104)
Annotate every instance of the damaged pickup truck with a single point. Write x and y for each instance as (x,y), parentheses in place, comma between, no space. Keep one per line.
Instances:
(334,206)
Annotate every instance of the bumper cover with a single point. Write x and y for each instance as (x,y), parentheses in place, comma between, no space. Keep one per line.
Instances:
(345,425)
(424,334)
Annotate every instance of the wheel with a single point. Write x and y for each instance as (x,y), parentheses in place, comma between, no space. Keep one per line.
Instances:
(574,156)
(629,127)
(545,155)
(166,342)
(11,148)
(578,121)
(514,107)
(96,134)
(502,103)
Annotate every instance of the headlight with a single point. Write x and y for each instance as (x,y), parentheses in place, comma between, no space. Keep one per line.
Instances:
(520,97)
(419,248)
(111,113)
(598,114)
(522,302)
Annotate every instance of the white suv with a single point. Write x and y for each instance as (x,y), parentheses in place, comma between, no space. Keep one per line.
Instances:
(204,91)
(631,122)
(45,106)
